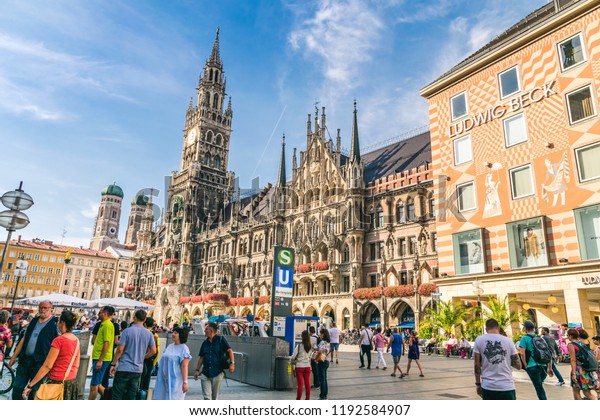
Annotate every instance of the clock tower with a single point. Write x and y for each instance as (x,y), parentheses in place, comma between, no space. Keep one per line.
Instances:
(106,230)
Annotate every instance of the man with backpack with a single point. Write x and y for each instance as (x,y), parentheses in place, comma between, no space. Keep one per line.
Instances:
(210,364)
(537,357)
(555,352)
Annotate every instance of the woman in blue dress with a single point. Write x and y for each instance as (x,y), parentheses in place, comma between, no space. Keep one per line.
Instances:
(172,378)
(413,352)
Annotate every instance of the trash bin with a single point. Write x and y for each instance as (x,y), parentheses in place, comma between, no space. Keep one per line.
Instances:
(283,373)
(84,365)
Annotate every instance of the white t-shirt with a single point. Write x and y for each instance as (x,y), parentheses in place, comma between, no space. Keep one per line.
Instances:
(366,337)
(496,352)
(334,335)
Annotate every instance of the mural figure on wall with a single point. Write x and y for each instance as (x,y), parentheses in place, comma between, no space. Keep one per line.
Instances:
(557,174)
(492,200)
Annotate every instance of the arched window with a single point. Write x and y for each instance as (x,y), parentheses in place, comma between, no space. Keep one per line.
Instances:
(209,136)
(207,159)
(400,216)
(210,75)
(379,217)
(431,205)
(216,101)
(346,253)
(218,140)
(217,162)
(410,210)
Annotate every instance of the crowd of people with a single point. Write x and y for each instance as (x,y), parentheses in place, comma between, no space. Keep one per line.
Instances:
(48,354)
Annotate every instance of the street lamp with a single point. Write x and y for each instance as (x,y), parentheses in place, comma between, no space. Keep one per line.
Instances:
(13,219)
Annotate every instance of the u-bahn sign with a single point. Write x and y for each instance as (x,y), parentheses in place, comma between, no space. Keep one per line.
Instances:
(282,290)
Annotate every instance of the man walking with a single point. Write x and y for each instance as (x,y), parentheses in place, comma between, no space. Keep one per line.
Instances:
(397,346)
(364,344)
(494,355)
(537,371)
(150,361)
(102,352)
(135,345)
(334,345)
(555,352)
(33,349)
(209,363)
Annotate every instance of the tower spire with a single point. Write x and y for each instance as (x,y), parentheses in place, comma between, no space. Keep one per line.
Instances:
(215,57)
(281,181)
(355,148)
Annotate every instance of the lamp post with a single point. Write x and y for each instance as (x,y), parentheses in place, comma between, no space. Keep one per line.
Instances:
(478,290)
(20,271)
(13,219)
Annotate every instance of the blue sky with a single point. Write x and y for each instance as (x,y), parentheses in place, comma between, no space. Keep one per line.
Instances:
(94,92)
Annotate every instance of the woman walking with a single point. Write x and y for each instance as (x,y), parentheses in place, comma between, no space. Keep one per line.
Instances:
(172,378)
(62,363)
(580,379)
(413,352)
(321,358)
(301,358)
(6,341)
(380,341)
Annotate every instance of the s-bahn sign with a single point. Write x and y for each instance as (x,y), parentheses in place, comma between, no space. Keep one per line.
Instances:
(282,290)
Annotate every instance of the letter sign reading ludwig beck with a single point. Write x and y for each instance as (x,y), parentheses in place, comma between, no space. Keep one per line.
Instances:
(587,280)
(283,289)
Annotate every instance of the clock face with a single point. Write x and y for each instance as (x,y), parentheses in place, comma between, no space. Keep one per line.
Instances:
(191,136)
(98,229)
(112,230)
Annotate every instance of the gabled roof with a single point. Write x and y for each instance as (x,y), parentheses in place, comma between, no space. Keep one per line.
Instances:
(397,157)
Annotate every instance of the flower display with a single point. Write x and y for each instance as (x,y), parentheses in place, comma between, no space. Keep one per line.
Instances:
(164,281)
(367,293)
(167,261)
(426,289)
(399,291)
(303,268)
(264,299)
(233,301)
(174,261)
(244,301)
(197,299)
(321,265)
(223,297)
(172,281)
(185,299)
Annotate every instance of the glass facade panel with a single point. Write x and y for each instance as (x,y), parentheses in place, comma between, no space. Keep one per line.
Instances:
(527,243)
(587,220)
(468,252)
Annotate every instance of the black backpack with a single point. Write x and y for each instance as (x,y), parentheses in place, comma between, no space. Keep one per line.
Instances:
(587,359)
(541,352)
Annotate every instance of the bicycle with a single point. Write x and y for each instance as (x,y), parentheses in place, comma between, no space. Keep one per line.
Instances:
(7,377)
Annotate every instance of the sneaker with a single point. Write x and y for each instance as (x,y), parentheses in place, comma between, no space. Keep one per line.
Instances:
(393,374)
(559,384)
(421,375)
(361,367)
(336,361)
(403,375)
(376,367)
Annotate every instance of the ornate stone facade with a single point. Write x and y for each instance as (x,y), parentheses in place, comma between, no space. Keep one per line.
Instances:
(363,227)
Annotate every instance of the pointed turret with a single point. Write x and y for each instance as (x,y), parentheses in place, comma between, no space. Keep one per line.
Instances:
(215,56)
(355,148)
(281,181)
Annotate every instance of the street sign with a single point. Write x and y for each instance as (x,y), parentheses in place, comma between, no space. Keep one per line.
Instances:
(436,294)
(282,290)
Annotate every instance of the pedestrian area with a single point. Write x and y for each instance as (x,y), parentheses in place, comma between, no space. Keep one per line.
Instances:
(445,379)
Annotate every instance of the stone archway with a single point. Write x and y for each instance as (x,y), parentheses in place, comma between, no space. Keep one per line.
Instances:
(327,316)
(402,314)
(346,317)
(230,311)
(296,311)
(369,314)
(245,312)
(196,313)
(311,311)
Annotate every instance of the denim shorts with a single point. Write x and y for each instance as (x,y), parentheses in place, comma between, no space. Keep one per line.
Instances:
(396,359)
(334,346)
(97,375)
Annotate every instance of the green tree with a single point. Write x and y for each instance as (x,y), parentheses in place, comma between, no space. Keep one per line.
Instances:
(448,317)
(500,311)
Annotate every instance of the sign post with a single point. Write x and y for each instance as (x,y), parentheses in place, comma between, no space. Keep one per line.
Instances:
(282,289)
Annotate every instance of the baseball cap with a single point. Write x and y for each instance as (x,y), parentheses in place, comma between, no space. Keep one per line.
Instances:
(528,325)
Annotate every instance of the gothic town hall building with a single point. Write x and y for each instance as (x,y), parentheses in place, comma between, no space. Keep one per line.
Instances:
(362,225)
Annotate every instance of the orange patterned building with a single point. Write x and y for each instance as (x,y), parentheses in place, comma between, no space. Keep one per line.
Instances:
(515,132)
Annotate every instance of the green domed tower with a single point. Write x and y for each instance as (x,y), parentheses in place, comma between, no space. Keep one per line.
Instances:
(138,206)
(106,230)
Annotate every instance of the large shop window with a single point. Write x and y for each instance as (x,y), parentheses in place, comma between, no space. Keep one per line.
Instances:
(521,182)
(509,82)
(462,150)
(515,130)
(587,162)
(581,104)
(587,220)
(527,243)
(458,104)
(466,196)
(468,252)
(571,52)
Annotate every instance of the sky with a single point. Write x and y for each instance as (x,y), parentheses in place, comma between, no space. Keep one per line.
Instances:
(94,92)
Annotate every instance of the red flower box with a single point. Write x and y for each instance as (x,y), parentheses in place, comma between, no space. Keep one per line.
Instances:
(233,301)
(368,293)
(172,281)
(185,299)
(164,281)
(321,265)
(217,297)
(244,301)
(129,288)
(303,268)
(197,299)
(404,290)
(264,299)
(167,261)
(426,289)
(174,261)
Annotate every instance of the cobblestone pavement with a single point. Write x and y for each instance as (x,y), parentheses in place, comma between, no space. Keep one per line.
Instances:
(445,379)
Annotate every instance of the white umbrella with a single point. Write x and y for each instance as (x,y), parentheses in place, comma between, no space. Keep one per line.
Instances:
(58,299)
(124,303)
(96,293)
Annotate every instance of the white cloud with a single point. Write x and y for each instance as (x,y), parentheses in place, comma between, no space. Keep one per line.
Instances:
(90,211)
(343,35)
(423,10)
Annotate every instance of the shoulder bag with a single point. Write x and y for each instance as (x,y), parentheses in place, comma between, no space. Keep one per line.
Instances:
(56,391)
